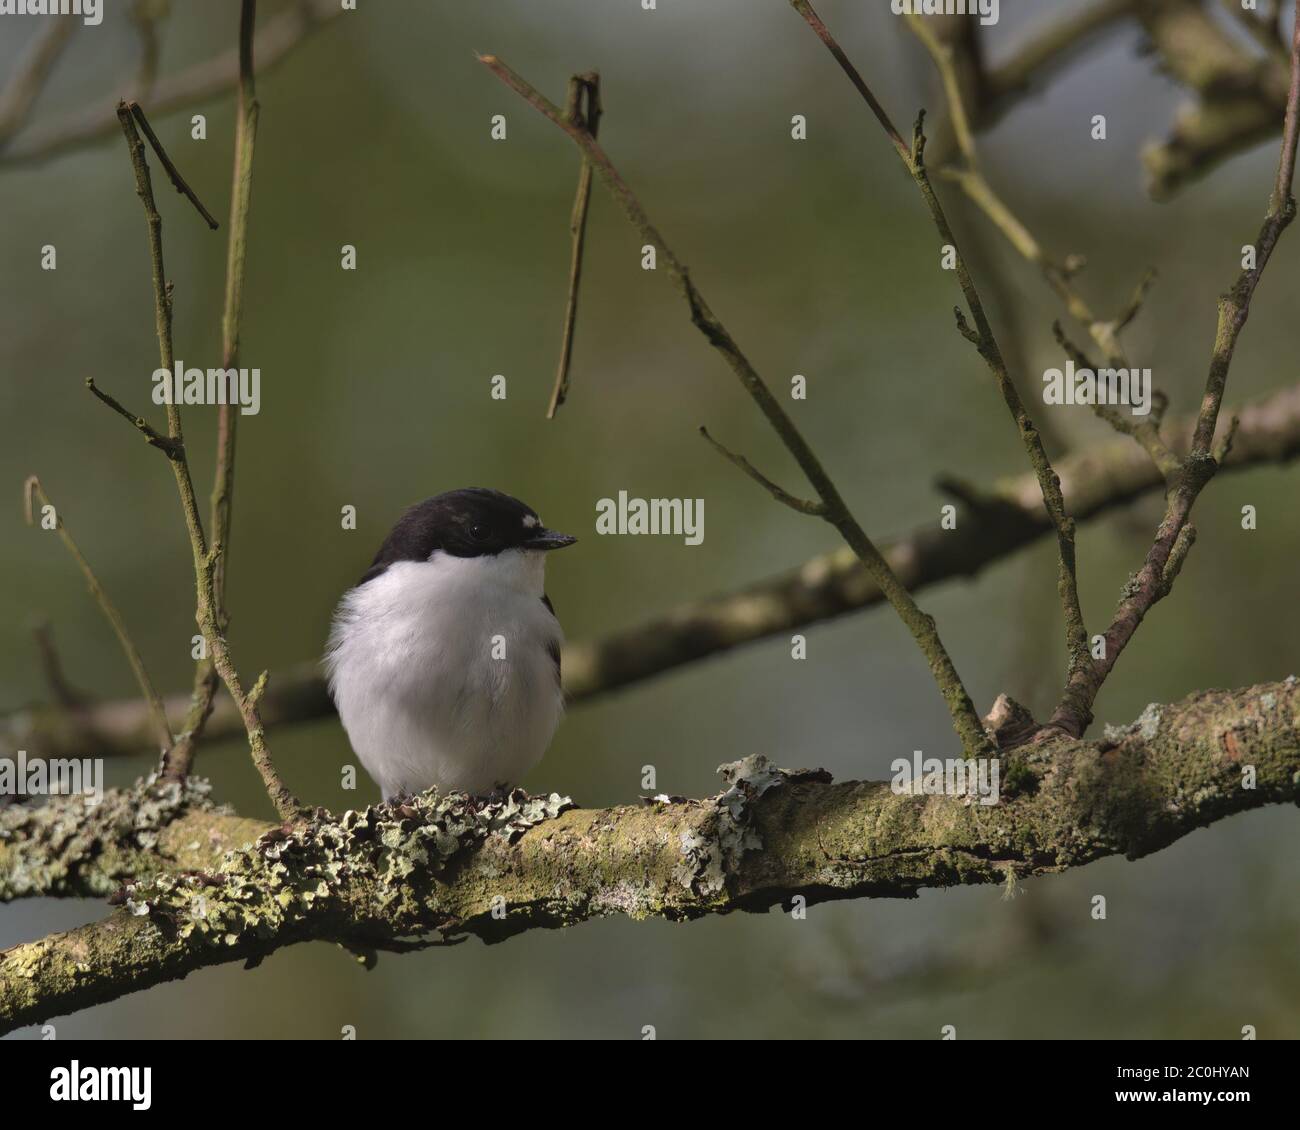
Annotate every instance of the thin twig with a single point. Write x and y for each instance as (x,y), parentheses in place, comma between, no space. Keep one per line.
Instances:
(206,677)
(200,83)
(1152,582)
(1134,304)
(583,89)
(914,161)
(206,556)
(965,717)
(172,448)
(29,77)
(802,505)
(1060,276)
(65,694)
(32,489)
(145,16)
(172,171)
(1144,431)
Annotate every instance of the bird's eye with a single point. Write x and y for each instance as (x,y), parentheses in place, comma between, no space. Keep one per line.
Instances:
(480,532)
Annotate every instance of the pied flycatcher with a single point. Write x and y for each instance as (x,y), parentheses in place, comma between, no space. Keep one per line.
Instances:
(444,660)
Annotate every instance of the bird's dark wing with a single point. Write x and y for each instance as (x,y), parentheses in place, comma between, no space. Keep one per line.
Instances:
(553,648)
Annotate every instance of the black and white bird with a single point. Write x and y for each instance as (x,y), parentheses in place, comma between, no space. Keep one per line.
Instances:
(444,660)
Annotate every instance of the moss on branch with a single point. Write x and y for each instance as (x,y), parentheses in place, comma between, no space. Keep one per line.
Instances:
(198,886)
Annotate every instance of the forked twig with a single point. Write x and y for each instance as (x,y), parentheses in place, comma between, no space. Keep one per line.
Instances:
(207,556)
(173,173)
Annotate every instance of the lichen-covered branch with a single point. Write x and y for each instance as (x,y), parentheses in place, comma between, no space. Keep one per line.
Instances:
(1095,482)
(437,869)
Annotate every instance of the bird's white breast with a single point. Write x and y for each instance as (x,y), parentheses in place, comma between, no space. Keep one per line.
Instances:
(442,674)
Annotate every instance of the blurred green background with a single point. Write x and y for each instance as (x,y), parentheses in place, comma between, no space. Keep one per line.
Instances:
(821,260)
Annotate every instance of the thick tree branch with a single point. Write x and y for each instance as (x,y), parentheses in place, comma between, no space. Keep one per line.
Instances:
(1096,481)
(438,868)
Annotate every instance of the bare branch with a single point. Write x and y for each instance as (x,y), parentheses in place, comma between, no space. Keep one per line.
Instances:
(145,16)
(1058,275)
(205,80)
(1076,635)
(206,675)
(1145,431)
(173,173)
(1134,305)
(32,489)
(801,505)
(29,77)
(922,626)
(1163,560)
(583,109)
(65,695)
(206,558)
(172,448)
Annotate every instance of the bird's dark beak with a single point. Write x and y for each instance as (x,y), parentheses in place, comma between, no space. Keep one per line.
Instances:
(549,539)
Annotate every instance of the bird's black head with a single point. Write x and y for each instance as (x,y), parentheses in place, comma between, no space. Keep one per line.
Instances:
(474,522)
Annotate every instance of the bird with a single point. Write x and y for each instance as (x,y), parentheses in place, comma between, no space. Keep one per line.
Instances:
(444,659)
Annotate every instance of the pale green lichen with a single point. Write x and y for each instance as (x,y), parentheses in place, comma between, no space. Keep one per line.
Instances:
(1146,724)
(380,860)
(710,851)
(62,847)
